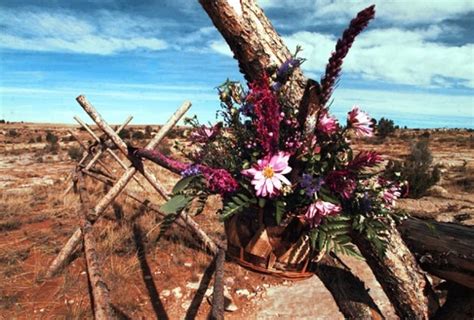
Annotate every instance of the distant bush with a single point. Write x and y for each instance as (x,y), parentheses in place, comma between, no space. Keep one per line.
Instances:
(385,127)
(416,170)
(139,135)
(12,133)
(32,140)
(75,153)
(39,139)
(124,134)
(51,138)
(2,121)
(148,131)
(52,148)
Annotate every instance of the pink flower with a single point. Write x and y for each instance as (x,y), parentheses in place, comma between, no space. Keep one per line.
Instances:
(318,210)
(360,122)
(204,134)
(365,159)
(391,194)
(268,174)
(342,182)
(219,180)
(327,124)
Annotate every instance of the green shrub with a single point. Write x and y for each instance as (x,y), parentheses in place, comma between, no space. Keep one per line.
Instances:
(385,127)
(417,170)
(12,133)
(75,153)
(51,138)
(138,135)
(124,134)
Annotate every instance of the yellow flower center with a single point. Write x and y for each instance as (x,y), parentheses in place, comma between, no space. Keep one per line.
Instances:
(268,172)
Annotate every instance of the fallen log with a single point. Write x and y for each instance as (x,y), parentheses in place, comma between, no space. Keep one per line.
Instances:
(445,250)
(256,45)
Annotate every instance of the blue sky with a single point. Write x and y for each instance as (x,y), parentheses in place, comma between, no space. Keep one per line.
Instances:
(414,64)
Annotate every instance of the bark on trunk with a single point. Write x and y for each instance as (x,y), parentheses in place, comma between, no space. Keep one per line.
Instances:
(348,291)
(253,40)
(443,249)
(217,312)
(400,277)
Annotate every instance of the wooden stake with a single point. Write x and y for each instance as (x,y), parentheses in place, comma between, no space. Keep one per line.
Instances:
(217,312)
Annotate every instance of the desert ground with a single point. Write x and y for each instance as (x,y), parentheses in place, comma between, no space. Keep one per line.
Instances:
(170,278)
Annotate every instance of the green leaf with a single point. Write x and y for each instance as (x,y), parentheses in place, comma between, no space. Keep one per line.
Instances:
(279,210)
(237,203)
(175,204)
(182,184)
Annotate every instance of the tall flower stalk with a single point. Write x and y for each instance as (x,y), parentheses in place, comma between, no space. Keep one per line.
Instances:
(334,66)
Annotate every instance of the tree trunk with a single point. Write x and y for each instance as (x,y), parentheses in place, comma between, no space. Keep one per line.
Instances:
(256,46)
(253,40)
(400,276)
(348,291)
(443,249)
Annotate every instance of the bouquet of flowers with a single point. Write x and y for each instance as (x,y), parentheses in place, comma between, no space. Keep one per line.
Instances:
(266,158)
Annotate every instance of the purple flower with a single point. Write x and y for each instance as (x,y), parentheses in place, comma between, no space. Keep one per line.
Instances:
(286,69)
(327,124)
(310,184)
(192,170)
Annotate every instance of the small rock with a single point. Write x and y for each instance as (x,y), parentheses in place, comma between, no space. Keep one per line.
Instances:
(42,310)
(70,301)
(229,281)
(188,264)
(83,273)
(165,293)
(229,304)
(192,285)
(437,191)
(185,305)
(177,293)
(242,292)
(266,285)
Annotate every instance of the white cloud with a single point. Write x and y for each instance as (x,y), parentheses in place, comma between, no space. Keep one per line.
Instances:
(104,34)
(399,11)
(395,56)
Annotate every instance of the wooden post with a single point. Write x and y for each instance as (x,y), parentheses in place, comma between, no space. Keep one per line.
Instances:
(75,239)
(256,45)
(217,312)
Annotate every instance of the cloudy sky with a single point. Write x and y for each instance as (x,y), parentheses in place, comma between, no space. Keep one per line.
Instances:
(414,64)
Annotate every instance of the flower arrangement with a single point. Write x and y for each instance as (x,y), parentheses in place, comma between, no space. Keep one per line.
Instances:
(262,158)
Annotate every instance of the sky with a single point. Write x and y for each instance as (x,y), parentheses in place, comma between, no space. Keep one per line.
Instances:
(413,64)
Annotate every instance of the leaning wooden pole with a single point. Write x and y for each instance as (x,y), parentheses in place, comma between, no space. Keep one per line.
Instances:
(256,45)
(101,304)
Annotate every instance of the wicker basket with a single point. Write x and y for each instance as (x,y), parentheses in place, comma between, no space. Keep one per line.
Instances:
(282,251)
